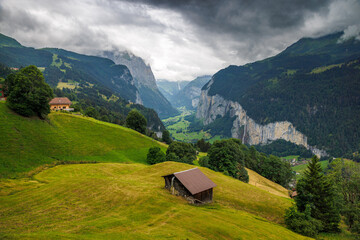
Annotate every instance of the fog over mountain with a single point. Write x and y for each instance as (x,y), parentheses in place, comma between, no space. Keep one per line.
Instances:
(179,39)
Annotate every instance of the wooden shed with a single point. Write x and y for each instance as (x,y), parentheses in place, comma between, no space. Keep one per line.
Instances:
(191,184)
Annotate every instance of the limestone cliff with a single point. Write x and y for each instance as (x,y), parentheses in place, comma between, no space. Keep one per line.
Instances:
(245,128)
(144,80)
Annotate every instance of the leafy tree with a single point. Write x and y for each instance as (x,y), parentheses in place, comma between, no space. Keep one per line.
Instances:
(172,157)
(166,137)
(204,161)
(302,222)
(226,156)
(346,175)
(203,145)
(135,120)
(184,151)
(28,94)
(155,155)
(315,190)
(91,112)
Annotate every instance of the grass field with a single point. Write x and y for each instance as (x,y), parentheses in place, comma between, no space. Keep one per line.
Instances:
(178,128)
(27,143)
(128,201)
(301,168)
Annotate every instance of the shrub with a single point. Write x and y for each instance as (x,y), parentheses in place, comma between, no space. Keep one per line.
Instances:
(302,222)
(204,161)
(155,155)
(184,151)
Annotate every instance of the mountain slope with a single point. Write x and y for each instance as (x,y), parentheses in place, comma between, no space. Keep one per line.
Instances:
(94,80)
(128,201)
(189,95)
(170,88)
(28,143)
(144,81)
(308,94)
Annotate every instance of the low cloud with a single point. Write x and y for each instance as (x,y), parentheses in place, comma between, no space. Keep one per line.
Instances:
(179,39)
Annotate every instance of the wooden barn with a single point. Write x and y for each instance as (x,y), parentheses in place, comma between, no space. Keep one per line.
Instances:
(191,184)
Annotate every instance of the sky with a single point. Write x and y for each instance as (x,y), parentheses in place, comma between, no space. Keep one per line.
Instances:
(180,39)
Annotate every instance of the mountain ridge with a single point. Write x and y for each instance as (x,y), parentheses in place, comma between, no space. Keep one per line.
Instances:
(291,87)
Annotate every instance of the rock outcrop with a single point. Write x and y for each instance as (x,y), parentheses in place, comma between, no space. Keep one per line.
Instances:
(245,128)
(144,80)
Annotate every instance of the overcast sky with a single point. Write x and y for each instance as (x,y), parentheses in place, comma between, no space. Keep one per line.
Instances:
(180,39)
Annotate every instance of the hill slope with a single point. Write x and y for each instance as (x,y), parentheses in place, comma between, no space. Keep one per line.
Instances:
(128,201)
(29,142)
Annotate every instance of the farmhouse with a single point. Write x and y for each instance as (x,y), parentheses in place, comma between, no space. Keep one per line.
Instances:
(62,103)
(191,184)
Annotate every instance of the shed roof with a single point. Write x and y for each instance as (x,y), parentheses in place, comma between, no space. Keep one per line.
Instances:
(194,180)
(60,100)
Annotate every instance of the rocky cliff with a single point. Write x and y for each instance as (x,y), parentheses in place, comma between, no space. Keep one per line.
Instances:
(144,80)
(245,128)
(189,96)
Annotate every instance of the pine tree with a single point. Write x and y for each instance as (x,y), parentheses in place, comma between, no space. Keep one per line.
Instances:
(315,190)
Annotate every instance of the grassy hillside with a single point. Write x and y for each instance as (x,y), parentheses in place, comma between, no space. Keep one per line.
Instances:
(27,143)
(128,201)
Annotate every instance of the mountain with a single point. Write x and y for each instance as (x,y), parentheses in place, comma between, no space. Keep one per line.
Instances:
(144,80)
(170,88)
(309,94)
(89,80)
(189,95)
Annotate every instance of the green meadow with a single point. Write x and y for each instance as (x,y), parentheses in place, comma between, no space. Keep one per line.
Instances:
(28,143)
(128,201)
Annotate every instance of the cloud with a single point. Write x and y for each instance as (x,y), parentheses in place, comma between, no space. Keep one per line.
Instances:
(352,31)
(180,39)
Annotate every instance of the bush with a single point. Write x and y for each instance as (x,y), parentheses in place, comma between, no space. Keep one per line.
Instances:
(302,222)
(155,155)
(204,161)
(184,151)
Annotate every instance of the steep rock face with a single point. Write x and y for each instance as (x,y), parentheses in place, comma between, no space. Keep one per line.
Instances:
(144,80)
(245,128)
(190,94)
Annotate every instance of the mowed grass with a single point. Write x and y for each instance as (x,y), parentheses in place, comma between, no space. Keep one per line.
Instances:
(301,168)
(27,143)
(128,201)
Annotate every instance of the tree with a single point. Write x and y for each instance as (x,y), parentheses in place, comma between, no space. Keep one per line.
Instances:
(28,94)
(135,120)
(155,155)
(302,222)
(203,146)
(346,175)
(166,137)
(91,112)
(315,190)
(226,156)
(184,151)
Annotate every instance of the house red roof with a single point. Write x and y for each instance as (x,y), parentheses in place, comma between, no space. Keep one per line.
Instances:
(194,180)
(61,100)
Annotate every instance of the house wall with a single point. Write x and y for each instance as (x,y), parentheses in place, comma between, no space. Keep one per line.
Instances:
(60,106)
